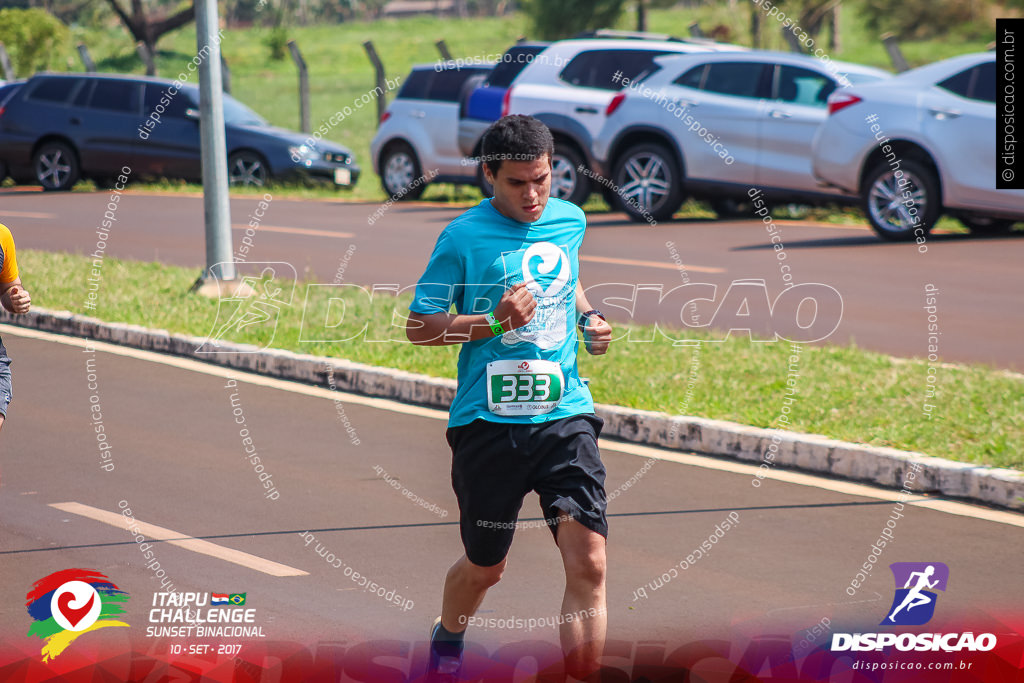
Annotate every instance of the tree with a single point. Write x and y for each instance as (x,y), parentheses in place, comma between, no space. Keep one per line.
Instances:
(641,10)
(148,30)
(557,20)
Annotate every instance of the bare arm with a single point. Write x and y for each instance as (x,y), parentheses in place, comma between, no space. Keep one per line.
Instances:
(14,297)
(515,309)
(597,334)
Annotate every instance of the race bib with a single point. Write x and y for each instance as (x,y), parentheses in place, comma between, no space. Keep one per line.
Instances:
(524,387)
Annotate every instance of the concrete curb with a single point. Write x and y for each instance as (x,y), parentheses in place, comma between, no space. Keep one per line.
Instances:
(877,465)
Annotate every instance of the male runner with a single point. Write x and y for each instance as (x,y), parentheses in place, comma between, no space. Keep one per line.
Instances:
(15,298)
(522,419)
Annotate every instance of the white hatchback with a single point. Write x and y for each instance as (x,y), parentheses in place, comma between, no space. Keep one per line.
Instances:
(918,145)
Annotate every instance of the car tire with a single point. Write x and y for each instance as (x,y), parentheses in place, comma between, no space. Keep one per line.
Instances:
(399,170)
(248,169)
(648,161)
(567,181)
(986,225)
(888,214)
(55,165)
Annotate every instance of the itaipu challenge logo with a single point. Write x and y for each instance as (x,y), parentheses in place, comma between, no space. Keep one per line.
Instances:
(70,603)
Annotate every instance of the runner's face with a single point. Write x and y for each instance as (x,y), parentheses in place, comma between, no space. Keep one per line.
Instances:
(521,188)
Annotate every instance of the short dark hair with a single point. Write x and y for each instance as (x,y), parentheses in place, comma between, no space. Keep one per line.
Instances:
(515,138)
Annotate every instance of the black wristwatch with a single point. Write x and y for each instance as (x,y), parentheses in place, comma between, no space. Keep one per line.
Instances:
(582,321)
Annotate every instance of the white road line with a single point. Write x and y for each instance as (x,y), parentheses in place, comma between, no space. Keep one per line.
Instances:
(295,231)
(28,214)
(182,541)
(786,476)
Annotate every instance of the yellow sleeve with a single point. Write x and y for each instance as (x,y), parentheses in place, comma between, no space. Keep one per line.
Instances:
(9,271)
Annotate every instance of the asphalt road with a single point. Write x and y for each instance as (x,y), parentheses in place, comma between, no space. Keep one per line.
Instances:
(980,311)
(179,463)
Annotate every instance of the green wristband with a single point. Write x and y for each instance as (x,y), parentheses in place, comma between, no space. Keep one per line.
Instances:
(496,327)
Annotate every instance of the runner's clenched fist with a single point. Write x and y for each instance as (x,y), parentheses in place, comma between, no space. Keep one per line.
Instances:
(516,307)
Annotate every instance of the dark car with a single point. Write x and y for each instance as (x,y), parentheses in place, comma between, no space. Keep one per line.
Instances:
(58,128)
(6,91)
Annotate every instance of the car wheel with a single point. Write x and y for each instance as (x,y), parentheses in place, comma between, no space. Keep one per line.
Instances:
(649,181)
(56,167)
(985,225)
(247,169)
(885,201)
(400,173)
(567,182)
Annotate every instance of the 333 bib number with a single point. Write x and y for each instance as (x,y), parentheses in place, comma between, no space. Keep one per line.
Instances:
(523,387)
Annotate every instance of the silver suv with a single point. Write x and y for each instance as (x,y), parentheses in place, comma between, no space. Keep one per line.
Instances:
(569,86)
(716,125)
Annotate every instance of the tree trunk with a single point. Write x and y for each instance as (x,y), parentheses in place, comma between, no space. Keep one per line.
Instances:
(641,15)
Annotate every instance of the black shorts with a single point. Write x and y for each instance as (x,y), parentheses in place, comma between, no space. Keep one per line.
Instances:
(495,464)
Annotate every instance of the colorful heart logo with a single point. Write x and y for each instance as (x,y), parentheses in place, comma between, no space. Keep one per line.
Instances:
(72,614)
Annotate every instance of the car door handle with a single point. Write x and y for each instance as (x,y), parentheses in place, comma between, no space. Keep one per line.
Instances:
(417,114)
(940,113)
(779,114)
(685,103)
(586,110)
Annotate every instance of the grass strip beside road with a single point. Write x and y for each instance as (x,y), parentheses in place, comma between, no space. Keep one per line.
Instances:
(843,392)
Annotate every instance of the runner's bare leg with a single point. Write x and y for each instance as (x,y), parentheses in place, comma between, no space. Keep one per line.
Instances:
(464,589)
(583,556)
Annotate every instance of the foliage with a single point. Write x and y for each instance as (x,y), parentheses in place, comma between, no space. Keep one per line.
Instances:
(557,20)
(918,19)
(33,37)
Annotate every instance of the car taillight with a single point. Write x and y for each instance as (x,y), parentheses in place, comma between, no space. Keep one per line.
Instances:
(614,104)
(506,101)
(384,117)
(841,101)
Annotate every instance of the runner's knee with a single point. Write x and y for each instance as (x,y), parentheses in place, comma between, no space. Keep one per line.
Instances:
(485,577)
(586,567)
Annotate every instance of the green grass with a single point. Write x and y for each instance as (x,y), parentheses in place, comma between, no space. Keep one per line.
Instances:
(844,392)
(340,72)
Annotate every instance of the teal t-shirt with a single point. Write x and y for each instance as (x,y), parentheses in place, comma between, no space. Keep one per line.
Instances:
(479,256)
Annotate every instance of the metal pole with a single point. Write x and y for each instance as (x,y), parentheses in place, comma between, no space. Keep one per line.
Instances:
(300,63)
(216,211)
(5,63)
(83,52)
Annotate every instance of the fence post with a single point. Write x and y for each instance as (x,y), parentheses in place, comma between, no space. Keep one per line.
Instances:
(303,85)
(225,74)
(442,47)
(899,62)
(792,40)
(147,58)
(83,52)
(382,104)
(5,63)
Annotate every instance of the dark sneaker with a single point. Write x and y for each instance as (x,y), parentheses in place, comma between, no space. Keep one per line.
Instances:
(445,657)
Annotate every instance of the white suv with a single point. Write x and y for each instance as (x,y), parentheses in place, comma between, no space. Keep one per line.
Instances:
(917,145)
(569,86)
(716,125)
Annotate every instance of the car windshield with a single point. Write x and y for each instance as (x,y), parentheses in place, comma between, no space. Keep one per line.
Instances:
(235,113)
(238,114)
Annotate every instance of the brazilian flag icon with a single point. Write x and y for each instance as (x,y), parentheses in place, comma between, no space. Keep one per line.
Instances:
(237,598)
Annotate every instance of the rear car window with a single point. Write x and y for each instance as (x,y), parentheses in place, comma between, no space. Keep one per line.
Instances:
(985,83)
(599,68)
(175,104)
(416,85)
(113,95)
(802,86)
(54,90)
(959,84)
(694,78)
(513,61)
(447,84)
(739,79)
